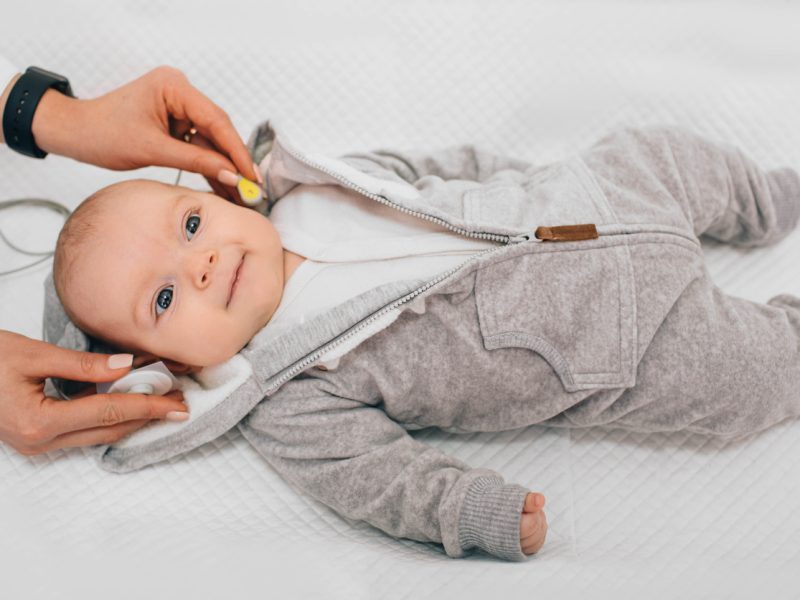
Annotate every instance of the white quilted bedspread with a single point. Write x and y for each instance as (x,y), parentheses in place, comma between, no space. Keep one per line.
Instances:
(659,516)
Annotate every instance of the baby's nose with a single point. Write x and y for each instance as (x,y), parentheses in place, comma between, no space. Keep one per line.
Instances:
(205,263)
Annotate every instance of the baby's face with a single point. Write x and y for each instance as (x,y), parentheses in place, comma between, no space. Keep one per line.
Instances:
(180,274)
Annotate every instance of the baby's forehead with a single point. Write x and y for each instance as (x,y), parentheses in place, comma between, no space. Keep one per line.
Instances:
(124,213)
(139,192)
(136,205)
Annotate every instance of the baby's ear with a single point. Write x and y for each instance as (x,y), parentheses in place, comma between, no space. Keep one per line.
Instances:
(140,360)
(176,368)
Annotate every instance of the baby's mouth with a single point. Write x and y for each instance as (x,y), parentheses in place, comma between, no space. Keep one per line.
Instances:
(234,281)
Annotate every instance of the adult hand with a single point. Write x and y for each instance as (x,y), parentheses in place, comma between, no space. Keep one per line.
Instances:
(32,423)
(137,125)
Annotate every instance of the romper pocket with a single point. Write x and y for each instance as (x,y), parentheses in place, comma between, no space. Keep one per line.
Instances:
(500,203)
(556,194)
(572,303)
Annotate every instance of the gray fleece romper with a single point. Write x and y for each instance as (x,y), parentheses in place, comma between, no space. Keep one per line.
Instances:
(625,329)
(573,337)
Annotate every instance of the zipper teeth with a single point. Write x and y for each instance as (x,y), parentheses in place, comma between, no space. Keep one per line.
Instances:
(357,328)
(505,239)
(495,237)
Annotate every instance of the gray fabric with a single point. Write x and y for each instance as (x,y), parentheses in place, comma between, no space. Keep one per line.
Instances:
(627,329)
(489,501)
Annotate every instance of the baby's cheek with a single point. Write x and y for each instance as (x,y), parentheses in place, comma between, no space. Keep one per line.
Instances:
(220,340)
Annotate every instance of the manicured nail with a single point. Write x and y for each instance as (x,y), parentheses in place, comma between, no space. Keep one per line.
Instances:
(227,177)
(176,415)
(120,361)
(259,178)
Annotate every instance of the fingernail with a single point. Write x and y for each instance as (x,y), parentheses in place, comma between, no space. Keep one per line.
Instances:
(227,177)
(120,361)
(176,415)
(259,177)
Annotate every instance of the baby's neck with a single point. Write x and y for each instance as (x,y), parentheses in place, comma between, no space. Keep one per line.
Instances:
(290,263)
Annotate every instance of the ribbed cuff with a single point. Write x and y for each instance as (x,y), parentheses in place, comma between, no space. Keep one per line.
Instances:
(490,518)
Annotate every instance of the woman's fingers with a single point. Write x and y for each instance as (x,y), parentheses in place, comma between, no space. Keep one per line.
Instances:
(190,157)
(93,436)
(213,122)
(46,360)
(104,410)
(220,189)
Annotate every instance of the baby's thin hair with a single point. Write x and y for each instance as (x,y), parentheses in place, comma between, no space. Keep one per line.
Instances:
(77,232)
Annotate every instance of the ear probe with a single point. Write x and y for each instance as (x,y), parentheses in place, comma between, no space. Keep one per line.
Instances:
(153,379)
(250,192)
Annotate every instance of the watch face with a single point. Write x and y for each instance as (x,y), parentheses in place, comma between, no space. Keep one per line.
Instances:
(49,74)
(60,82)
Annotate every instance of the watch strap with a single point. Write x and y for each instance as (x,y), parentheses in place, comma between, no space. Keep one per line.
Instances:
(23,99)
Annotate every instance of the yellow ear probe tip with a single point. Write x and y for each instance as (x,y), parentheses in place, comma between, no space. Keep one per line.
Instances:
(249,191)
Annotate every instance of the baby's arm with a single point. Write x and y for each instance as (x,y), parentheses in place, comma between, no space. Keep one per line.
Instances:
(352,457)
(465,162)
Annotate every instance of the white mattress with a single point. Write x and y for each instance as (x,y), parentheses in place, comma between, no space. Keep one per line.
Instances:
(670,515)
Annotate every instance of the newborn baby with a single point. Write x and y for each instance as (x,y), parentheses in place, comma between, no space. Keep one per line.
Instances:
(164,271)
(465,291)
(143,283)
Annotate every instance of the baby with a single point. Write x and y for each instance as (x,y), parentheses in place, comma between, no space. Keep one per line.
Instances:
(391,291)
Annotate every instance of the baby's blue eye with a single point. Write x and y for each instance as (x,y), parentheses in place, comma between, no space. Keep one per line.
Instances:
(192,225)
(164,300)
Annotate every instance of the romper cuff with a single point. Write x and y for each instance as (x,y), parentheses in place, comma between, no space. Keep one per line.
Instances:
(490,518)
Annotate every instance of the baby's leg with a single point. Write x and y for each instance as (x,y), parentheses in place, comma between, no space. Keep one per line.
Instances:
(717,365)
(671,176)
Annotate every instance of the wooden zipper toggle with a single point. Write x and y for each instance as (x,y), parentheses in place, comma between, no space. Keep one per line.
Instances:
(567,233)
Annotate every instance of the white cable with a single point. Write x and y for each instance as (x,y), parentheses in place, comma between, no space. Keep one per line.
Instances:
(38,202)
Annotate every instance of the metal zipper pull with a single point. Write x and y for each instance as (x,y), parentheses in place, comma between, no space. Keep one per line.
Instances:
(567,233)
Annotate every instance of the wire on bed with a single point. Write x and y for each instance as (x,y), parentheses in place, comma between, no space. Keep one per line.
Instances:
(38,202)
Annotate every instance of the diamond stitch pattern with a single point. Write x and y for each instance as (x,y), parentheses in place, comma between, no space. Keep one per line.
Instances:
(630,514)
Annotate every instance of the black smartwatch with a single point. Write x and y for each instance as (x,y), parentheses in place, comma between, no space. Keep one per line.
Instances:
(21,106)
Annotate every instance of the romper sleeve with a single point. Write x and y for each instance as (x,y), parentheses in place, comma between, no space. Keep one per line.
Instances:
(465,162)
(353,458)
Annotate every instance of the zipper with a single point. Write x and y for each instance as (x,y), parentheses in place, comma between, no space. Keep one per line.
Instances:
(311,358)
(481,235)
(506,240)
(560,233)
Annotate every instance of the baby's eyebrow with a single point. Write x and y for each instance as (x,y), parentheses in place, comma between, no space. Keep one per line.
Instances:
(142,307)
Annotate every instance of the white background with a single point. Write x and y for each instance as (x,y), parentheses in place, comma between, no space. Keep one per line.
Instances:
(665,515)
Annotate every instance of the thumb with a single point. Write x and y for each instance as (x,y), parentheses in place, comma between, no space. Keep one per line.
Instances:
(191,157)
(52,361)
(533,502)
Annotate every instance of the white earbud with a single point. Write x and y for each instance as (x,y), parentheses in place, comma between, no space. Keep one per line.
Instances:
(154,379)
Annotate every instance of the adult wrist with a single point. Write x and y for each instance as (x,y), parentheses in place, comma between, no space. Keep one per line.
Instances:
(55,122)
(22,105)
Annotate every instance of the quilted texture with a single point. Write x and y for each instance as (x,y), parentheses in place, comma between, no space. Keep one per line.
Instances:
(669,515)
